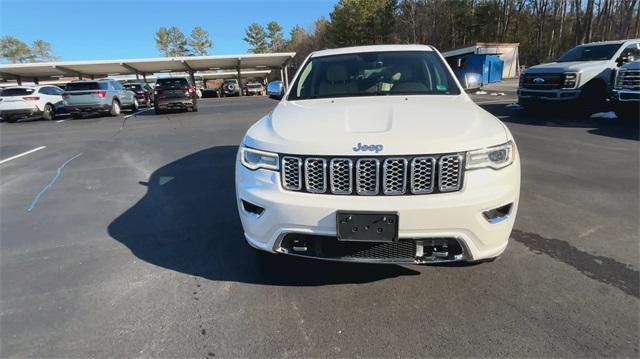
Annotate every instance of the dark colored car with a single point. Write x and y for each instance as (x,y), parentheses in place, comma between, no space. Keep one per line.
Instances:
(210,92)
(174,93)
(144,93)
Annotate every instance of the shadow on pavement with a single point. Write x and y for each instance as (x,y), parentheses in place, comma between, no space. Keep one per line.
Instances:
(617,128)
(188,222)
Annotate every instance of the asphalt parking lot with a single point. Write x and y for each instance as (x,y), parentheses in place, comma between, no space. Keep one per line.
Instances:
(135,250)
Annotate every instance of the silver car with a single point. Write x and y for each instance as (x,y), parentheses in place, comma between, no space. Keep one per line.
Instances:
(104,96)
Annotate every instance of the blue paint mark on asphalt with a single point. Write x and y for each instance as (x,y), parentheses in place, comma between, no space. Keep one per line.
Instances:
(53,180)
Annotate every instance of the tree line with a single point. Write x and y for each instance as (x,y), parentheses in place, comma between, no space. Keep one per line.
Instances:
(544,28)
(15,50)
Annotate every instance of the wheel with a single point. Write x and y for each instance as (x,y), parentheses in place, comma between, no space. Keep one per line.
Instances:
(11,119)
(158,111)
(115,108)
(76,116)
(49,113)
(135,105)
(593,98)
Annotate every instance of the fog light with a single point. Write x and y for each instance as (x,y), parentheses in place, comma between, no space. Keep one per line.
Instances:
(499,214)
(252,208)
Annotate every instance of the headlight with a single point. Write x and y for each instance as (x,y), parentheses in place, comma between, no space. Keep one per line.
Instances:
(256,159)
(493,157)
(570,80)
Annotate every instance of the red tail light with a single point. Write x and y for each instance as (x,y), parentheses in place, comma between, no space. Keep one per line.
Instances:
(31,98)
(140,92)
(101,93)
(188,88)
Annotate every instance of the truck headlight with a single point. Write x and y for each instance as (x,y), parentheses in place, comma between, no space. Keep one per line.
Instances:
(493,157)
(570,80)
(256,159)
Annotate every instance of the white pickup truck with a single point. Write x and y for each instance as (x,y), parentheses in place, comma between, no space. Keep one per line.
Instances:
(626,91)
(376,154)
(583,75)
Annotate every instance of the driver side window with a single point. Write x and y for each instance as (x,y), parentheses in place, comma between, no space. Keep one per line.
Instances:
(631,52)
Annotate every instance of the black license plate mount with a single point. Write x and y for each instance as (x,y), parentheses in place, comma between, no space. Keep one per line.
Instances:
(367,226)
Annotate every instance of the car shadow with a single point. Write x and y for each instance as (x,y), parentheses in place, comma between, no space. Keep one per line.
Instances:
(188,222)
(609,127)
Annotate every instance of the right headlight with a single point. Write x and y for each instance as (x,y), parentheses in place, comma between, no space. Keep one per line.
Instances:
(495,157)
(255,159)
(570,80)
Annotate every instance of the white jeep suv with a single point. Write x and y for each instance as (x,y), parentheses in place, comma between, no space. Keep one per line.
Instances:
(376,154)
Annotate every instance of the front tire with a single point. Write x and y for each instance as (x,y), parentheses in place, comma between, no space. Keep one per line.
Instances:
(49,113)
(135,106)
(593,98)
(115,108)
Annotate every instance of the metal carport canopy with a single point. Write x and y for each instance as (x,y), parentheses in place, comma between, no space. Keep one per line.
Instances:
(46,70)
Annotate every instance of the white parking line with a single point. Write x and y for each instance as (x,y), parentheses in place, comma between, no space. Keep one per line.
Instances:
(505,101)
(59,121)
(22,154)
(139,112)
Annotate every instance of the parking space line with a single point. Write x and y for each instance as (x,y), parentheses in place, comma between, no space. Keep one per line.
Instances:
(53,180)
(22,154)
(139,112)
(505,101)
(59,121)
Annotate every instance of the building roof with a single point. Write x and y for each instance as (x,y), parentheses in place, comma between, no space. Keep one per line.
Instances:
(101,68)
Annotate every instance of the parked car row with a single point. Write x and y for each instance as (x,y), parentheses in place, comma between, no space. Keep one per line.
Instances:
(589,76)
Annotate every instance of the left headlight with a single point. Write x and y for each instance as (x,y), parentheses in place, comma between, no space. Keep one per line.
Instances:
(256,159)
(493,157)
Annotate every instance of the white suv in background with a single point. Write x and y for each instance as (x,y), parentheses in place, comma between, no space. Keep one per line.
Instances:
(30,101)
(376,154)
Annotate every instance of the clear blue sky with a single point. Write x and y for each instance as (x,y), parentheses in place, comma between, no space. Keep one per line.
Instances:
(93,30)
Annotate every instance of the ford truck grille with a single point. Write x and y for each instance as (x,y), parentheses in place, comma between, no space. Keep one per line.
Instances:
(629,79)
(543,81)
(373,176)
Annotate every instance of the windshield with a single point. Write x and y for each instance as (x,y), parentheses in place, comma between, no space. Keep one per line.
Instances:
(179,82)
(373,74)
(590,53)
(81,86)
(16,92)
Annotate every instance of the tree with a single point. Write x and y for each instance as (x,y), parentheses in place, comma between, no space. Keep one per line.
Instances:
(362,22)
(15,50)
(257,38)
(171,42)
(275,36)
(199,42)
(42,51)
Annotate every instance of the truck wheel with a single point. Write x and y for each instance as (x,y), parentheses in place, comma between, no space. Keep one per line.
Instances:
(593,98)
(48,113)
(158,111)
(115,108)
(11,119)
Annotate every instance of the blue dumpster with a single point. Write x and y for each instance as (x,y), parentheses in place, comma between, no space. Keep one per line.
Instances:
(490,66)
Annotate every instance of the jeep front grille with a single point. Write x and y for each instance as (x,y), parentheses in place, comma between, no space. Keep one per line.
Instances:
(371,176)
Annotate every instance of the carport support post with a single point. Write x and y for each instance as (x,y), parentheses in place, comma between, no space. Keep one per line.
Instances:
(36,81)
(144,77)
(286,76)
(281,75)
(239,76)
(19,80)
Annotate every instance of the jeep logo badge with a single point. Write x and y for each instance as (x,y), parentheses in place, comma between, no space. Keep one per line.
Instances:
(371,148)
(538,80)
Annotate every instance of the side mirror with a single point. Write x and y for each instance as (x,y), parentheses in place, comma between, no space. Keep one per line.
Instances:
(621,60)
(275,90)
(472,81)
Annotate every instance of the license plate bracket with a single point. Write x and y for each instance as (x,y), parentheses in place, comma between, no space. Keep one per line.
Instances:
(367,226)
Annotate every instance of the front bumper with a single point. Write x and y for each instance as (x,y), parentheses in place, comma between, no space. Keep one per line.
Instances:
(558,95)
(456,216)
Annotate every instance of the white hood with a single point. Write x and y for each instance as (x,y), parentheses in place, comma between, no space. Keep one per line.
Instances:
(403,125)
(572,66)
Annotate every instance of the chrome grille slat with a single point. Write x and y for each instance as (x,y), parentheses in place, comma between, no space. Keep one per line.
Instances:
(371,176)
(629,79)
(292,173)
(422,173)
(341,175)
(394,176)
(315,175)
(367,176)
(449,172)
